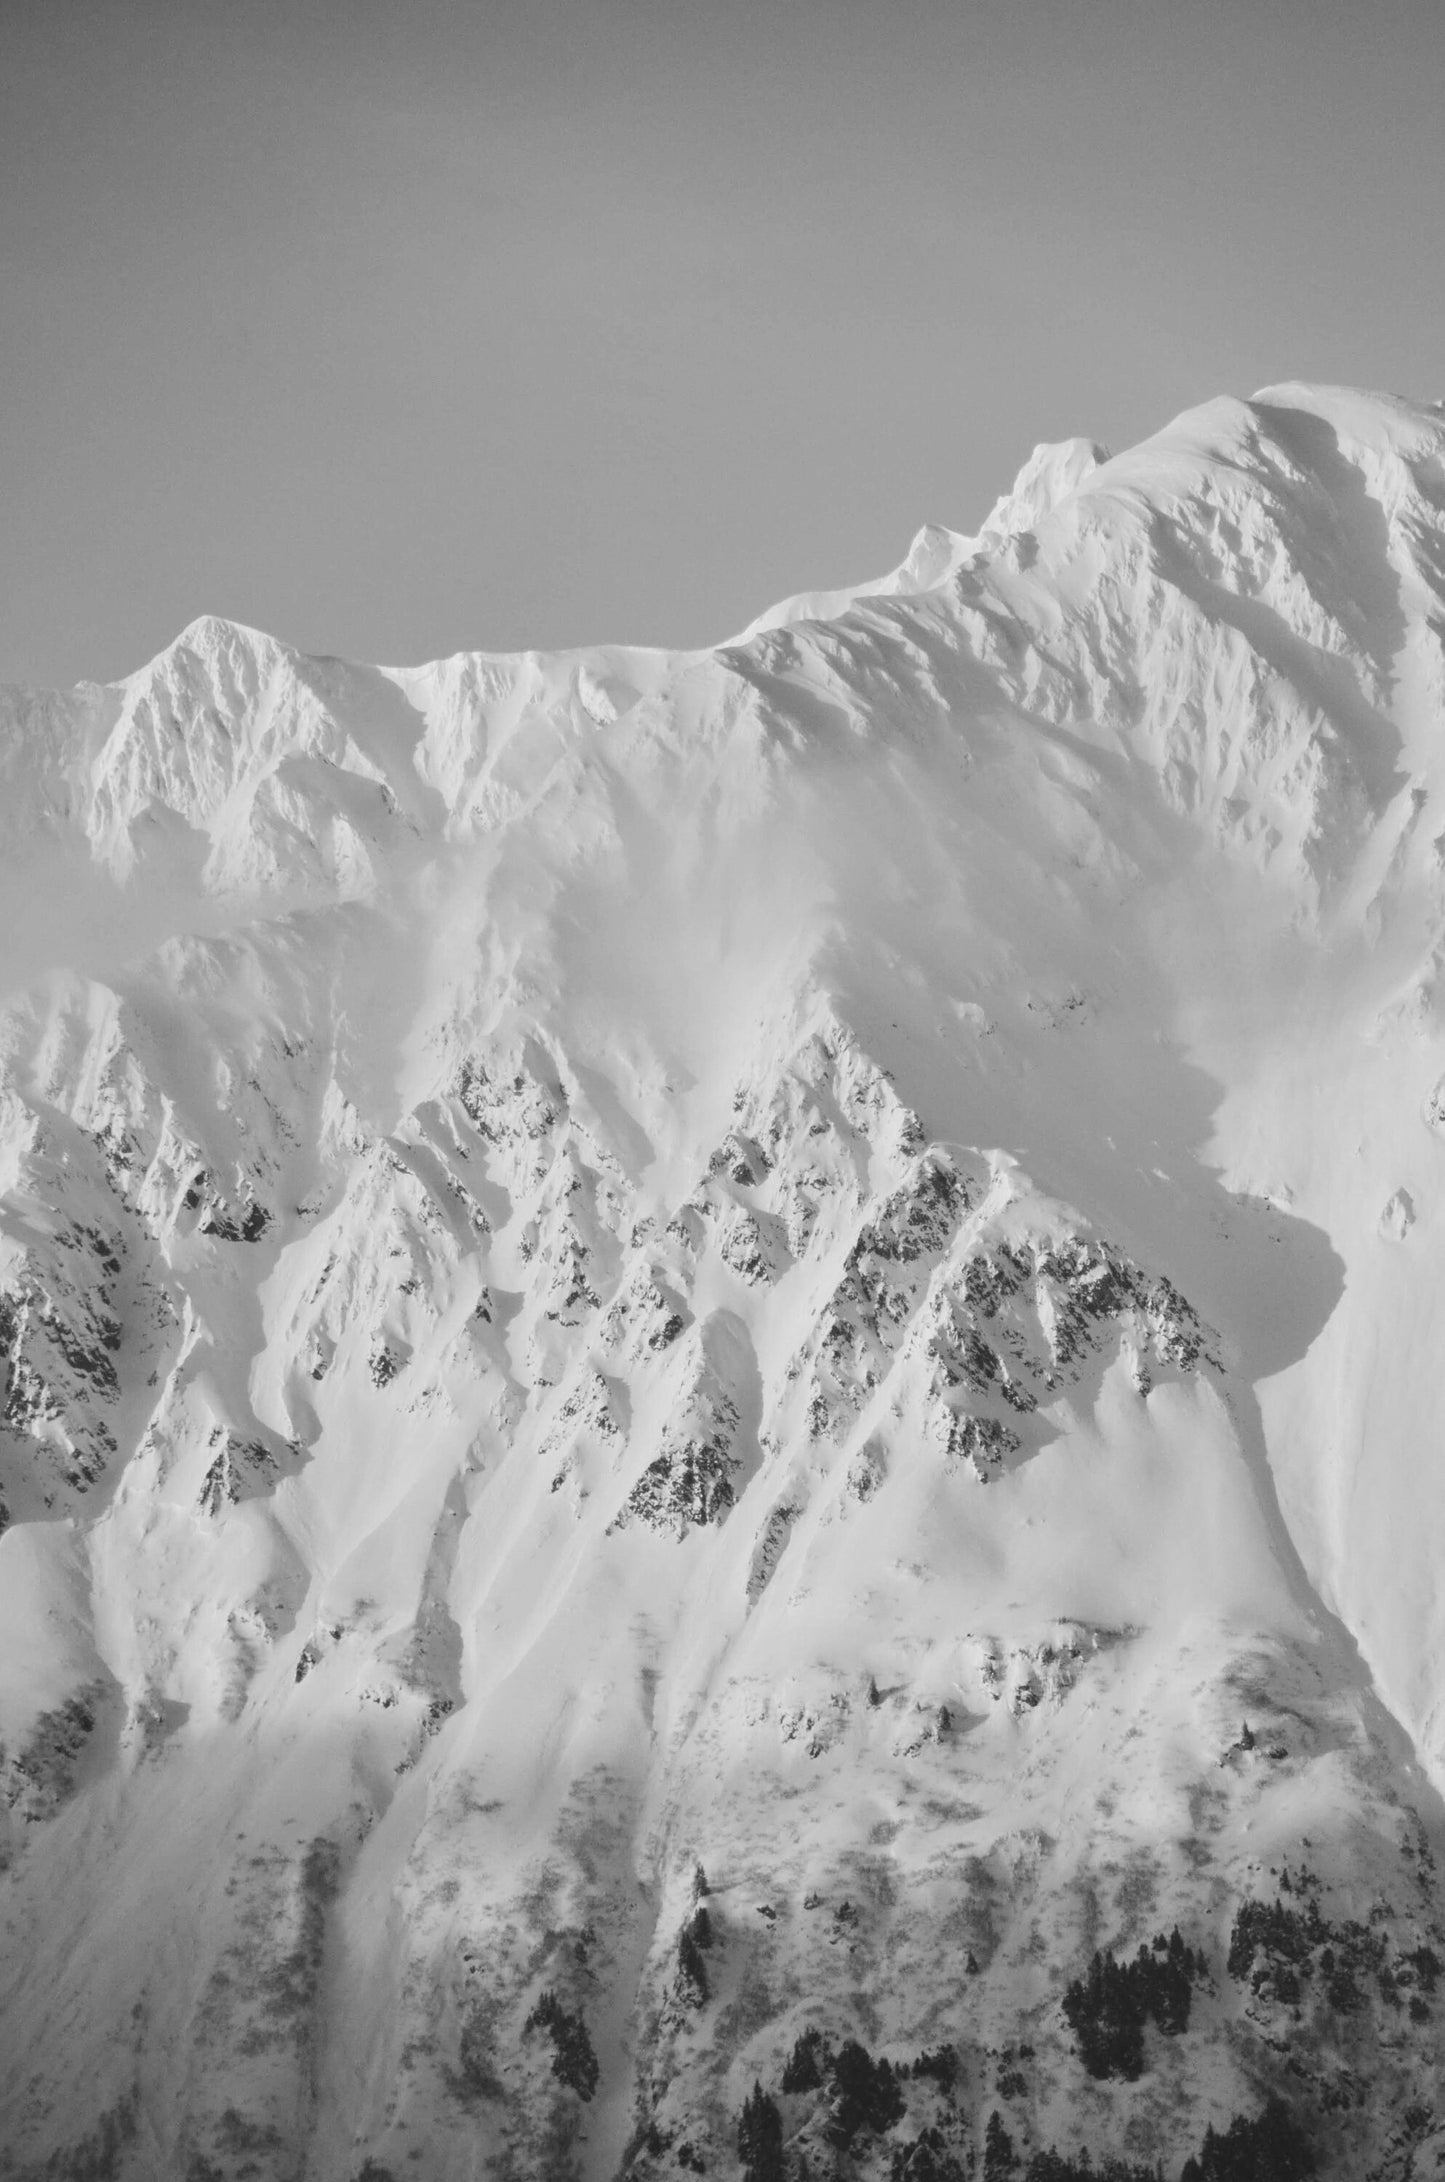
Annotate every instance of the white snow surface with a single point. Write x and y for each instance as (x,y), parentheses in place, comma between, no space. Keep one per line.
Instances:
(825,1256)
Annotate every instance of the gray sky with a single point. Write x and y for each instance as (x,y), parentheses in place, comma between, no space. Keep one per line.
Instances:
(396,329)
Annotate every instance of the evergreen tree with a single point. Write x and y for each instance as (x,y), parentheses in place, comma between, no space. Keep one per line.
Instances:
(1427,1965)
(805,2065)
(692,1984)
(760,2137)
(573,2061)
(865,2093)
(1000,2161)
(1106,2012)
(1052,2166)
(926,2159)
(1271,2148)
(1108,2008)
(941,2065)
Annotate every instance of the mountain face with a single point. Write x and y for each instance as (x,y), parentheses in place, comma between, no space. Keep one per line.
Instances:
(722,1370)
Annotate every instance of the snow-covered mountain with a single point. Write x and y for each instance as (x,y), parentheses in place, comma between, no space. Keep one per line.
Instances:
(713,1361)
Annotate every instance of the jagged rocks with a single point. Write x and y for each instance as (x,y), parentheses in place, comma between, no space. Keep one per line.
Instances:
(690,1482)
(377,1273)
(868,1468)
(39,1777)
(240,1469)
(569,1296)
(646,1312)
(231,1214)
(584,1426)
(1025,1676)
(884,1278)
(516,1103)
(384,1364)
(754,1245)
(60,1338)
(919,1219)
(768,1551)
(817,1718)
(979,1444)
(1398,1216)
(741,1158)
(247,1224)
(1023,1319)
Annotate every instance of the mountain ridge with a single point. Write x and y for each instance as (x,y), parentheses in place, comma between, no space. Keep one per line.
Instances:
(813,1258)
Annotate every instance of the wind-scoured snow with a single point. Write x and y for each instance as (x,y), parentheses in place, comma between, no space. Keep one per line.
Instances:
(800,1280)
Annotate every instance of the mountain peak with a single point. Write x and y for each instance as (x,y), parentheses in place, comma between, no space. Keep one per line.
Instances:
(1053,471)
(215,643)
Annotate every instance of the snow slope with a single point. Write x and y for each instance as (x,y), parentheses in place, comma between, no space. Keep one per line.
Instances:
(818,1260)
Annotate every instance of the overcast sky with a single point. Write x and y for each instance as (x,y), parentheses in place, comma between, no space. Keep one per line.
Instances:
(397,329)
